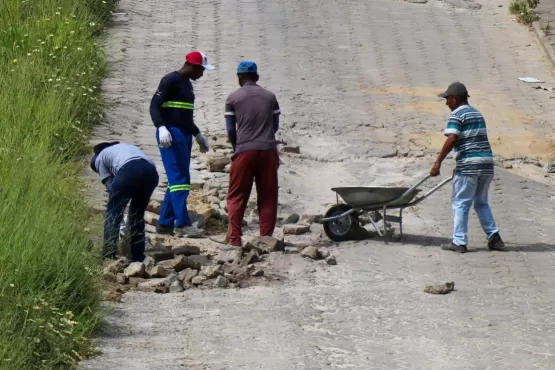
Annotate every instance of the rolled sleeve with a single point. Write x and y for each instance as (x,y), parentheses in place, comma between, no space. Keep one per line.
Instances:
(229,107)
(277,109)
(454,125)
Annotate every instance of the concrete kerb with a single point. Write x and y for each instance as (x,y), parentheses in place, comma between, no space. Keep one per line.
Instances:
(545,44)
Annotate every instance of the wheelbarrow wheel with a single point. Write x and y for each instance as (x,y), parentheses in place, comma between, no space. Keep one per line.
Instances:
(341,229)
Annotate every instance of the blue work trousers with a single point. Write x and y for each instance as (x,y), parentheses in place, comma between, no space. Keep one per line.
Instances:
(469,190)
(176,160)
(135,181)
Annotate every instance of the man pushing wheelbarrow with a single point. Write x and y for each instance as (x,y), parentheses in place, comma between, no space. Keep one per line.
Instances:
(467,134)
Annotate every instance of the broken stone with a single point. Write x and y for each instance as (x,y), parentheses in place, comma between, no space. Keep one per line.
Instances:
(217,164)
(159,272)
(202,259)
(149,263)
(151,218)
(291,250)
(310,252)
(331,261)
(310,219)
(250,258)
(180,263)
(265,244)
(221,282)
(113,296)
(121,278)
(197,219)
(297,229)
(258,272)
(228,256)
(442,288)
(176,287)
(187,275)
(210,193)
(324,252)
(197,280)
(152,283)
(291,149)
(136,269)
(160,253)
(293,218)
(187,250)
(550,168)
(154,206)
(211,271)
(213,200)
(116,266)
(135,281)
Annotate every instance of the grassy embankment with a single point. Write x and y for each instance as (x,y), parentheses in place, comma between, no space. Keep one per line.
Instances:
(50,70)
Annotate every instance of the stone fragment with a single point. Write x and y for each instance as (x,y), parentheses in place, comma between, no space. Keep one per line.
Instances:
(151,218)
(250,258)
(221,282)
(442,288)
(296,229)
(121,278)
(310,252)
(291,149)
(265,244)
(258,271)
(212,271)
(159,272)
(550,167)
(200,258)
(293,218)
(135,281)
(187,250)
(135,269)
(116,266)
(180,263)
(213,200)
(160,253)
(113,296)
(232,256)
(217,164)
(154,206)
(291,250)
(324,252)
(187,275)
(176,287)
(152,283)
(331,261)
(310,219)
(197,219)
(197,280)
(149,263)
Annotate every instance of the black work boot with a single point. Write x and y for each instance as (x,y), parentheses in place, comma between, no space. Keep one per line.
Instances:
(455,248)
(495,243)
(164,230)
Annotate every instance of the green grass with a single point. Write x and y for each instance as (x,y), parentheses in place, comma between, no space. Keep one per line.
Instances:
(50,73)
(524,10)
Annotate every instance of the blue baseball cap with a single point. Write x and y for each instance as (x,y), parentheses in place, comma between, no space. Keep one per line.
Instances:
(247,67)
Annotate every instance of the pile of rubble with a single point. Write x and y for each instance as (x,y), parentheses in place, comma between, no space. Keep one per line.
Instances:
(178,267)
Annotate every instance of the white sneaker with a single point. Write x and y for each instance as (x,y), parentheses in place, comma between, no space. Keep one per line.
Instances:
(189,232)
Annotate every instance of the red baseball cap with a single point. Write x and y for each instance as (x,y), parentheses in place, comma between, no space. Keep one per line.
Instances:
(198,58)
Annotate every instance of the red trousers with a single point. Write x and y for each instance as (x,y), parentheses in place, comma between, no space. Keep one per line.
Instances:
(260,167)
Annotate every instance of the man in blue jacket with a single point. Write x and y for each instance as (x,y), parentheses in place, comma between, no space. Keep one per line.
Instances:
(129,175)
(171,110)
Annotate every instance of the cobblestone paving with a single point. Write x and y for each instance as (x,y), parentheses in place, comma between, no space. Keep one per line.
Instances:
(357,82)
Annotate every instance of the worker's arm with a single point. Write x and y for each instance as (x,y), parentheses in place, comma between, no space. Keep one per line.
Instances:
(161,95)
(230,121)
(452,132)
(108,183)
(277,113)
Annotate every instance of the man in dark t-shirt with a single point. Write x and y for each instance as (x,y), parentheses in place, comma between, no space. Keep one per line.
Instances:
(252,120)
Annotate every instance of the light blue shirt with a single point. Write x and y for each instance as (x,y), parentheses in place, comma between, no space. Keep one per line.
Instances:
(111,159)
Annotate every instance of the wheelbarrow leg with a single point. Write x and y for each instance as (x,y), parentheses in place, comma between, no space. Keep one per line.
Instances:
(375,226)
(401,222)
(384,219)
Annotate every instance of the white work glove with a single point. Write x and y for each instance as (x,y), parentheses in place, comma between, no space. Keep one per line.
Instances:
(202,142)
(165,137)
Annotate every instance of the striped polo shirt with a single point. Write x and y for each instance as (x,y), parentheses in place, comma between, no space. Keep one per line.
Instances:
(474,154)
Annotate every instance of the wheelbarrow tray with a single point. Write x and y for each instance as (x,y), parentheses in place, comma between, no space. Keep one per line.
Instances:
(369,196)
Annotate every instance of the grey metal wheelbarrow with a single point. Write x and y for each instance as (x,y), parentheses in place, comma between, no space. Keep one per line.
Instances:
(363,205)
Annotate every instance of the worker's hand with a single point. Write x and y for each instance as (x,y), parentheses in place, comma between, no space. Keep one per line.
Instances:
(454,169)
(202,142)
(435,170)
(165,137)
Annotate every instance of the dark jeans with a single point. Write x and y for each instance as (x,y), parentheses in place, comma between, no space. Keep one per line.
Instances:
(135,181)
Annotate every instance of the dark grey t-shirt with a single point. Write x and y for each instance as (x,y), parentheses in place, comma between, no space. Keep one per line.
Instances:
(253,107)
